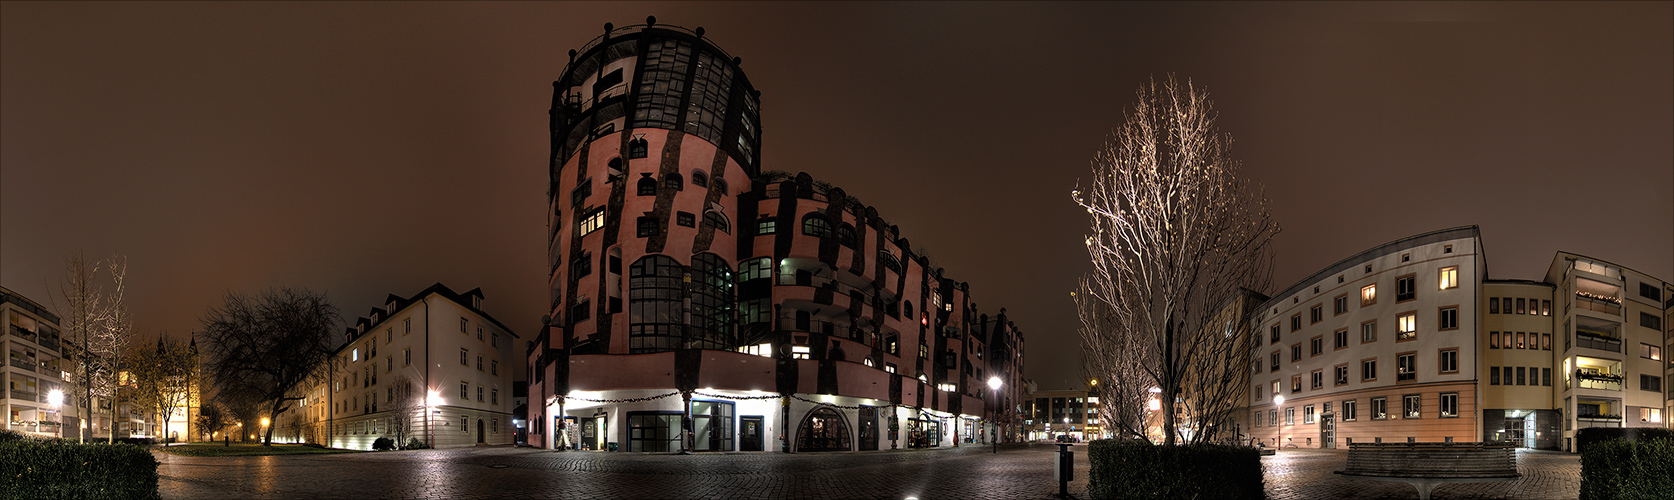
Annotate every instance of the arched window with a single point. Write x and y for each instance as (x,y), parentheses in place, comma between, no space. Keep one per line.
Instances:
(721,185)
(655,315)
(637,148)
(712,302)
(647,186)
(718,220)
(815,224)
(700,179)
(673,181)
(907,306)
(845,235)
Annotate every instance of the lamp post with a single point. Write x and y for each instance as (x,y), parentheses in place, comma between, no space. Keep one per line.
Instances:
(1278,402)
(994,383)
(56,398)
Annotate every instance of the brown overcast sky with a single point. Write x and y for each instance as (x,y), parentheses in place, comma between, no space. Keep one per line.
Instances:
(370,148)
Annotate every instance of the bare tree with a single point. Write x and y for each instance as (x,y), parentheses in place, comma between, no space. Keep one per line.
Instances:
(212,417)
(1175,231)
(406,402)
(259,348)
(97,329)
(1113,363)
(164,377)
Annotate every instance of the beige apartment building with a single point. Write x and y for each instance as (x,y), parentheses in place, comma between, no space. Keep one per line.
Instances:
(457,363)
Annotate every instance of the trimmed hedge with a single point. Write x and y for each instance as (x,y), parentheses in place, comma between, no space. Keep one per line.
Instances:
(1590,435)
(1136,469)
(1619,469)
(40,470)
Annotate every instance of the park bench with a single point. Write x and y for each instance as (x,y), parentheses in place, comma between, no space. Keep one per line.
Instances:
(1427,465)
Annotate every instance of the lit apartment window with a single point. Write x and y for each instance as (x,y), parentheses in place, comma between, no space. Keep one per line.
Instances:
(1296,383)
(1411,406)
(1449,277)
(766,225)
(1406,327)
(1380,408)
(1449,361)
(1652,415)
(1276,390)
(592,221)
(1545,308)
(1449,404)
(1406,288)
(1369,295)
(1650,351)
(1406,366)
(1493,340)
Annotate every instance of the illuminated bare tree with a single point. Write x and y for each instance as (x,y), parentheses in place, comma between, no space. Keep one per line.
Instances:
(406,403)
(260,348)
(97,329)
(1175,231)
(1112,363)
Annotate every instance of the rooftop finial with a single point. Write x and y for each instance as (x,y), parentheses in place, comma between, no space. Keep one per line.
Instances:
(699,31)
(609,27)
(650,20)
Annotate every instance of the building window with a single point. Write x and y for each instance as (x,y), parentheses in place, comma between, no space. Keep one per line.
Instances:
(1406,366)
(1406,288)
(1449,318)
(464,390)
(1546,341)
(1290,416)
(407,357)
(1296,384)
(582,265)
(1546,377)
(1317,379)
(1380,408)
(700,179)
(582,311)
(815,225)
(1276,388)
(1368,295)
(647,226)
(646,185)
(1275,357)
(1522,340)
(1296,322)
(1339,305)
(1493,375)
(1406,327)
(1339,339)
(1308,414)
(1651,321)
(637,148)
(1449,360)
(1340,374)
(1273,416)
(406,326)
(1256,417)
(464,326)
(1506,376)
(1649,351)
(1316,314)
(592,221)
(1493,305)
(1369,332)
(494,396)
(1493,340)
(1449,277)
(656,292)
(1449,405)
(1275,334)
(1522,379)
(580,193)
(479,363)
(1521,307)
(479,394)
(766,226)
(1411,406)
(716,219)
(464,356)
(1348,411)
(685,219)
(1650,383)
(1296,352)
(494,367)
(494,339)
(1368,369)
(1316,345)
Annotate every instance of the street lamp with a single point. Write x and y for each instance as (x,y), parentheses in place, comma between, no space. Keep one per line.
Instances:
(994,383)
(1278,402)
(56,398)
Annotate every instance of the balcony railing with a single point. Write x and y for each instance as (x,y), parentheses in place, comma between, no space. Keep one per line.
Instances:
(1588,302)
(25,395)
(20,332)
(1598,416)
(23,363)
(1597,341)
(1599,381)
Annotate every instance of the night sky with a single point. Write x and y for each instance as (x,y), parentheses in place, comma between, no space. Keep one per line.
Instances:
(373,148)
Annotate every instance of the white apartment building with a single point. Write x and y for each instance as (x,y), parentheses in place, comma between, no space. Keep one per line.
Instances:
(1411,342)
(459,361)
(37,399)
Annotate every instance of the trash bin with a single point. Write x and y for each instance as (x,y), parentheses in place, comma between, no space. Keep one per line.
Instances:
(611,446)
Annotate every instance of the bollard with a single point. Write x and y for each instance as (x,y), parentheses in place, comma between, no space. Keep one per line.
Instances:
(1065,468)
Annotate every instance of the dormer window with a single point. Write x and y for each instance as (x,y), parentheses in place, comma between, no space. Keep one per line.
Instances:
(476,302)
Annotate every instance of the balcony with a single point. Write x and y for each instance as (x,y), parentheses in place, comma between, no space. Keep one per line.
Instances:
(1595,340)
(1600,381)
(18,331)
(25,395)
(19,362)
(1598,303)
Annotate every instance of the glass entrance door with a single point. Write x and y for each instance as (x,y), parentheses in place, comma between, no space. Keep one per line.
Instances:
(1328,430)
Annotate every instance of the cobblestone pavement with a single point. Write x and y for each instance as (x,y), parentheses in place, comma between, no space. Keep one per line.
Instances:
(1307,474)
(964,472)
(501,472)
